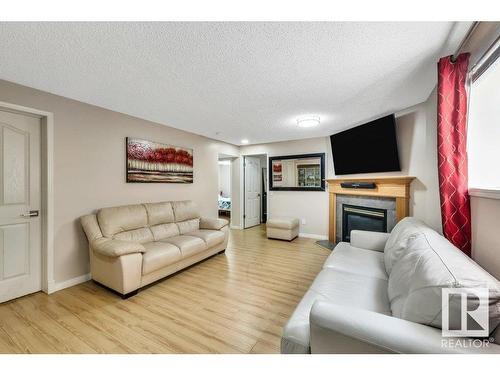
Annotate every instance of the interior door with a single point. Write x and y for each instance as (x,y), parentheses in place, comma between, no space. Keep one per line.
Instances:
(252,191)
(20,222)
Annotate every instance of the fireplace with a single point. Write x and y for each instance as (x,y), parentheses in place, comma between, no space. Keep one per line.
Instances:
(390,193)
(362,218)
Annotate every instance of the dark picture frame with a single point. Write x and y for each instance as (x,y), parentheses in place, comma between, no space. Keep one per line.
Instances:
(272,159)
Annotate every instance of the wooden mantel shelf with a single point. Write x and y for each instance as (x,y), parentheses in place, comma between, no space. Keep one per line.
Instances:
(397,187)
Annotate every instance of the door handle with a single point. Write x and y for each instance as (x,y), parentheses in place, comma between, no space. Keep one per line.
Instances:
(32,213)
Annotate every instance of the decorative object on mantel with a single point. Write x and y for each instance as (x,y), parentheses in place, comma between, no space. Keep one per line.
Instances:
(156,162)
(395,187)
(297,172)
(358,185)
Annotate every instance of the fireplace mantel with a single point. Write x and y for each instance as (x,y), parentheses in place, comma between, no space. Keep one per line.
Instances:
(390,187)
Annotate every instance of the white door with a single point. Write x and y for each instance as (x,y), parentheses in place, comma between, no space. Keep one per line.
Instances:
(20,233)
(252,191)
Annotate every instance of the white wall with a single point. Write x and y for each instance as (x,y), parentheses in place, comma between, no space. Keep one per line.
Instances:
(310,206)
(416,131)
(225,179)
(485,212)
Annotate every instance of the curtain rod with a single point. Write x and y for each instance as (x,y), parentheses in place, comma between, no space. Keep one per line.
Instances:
(486,60)
(472,28)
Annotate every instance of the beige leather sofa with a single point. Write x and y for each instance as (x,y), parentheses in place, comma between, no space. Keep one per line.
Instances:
(133,246)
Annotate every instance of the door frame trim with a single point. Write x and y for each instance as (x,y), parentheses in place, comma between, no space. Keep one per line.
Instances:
(47,188)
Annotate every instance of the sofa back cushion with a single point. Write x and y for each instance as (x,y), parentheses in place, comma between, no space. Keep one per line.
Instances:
(162,231)
(429,264)
(185,210)
(141,235)
(397,241)
(149,221)
(159,213)
(114,220)
(188,226)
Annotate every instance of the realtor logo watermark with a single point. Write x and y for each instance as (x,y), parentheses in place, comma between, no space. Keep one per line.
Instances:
(465,314)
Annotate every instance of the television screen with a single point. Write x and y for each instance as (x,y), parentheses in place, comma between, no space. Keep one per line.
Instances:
(367,148)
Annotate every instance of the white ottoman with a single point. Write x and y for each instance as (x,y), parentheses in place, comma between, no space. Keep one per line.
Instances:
(282,228)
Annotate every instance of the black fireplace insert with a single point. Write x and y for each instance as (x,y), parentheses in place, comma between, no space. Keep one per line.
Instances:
(362,218)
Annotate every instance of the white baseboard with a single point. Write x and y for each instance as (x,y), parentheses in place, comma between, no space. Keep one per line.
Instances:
(68,283)
(314,236)
(235,227)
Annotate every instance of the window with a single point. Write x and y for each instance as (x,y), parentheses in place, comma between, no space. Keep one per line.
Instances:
(483,134)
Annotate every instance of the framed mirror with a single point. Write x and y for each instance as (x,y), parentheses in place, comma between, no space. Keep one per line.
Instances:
(297,172)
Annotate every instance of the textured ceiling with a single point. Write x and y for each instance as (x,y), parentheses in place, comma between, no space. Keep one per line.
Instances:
(231,81)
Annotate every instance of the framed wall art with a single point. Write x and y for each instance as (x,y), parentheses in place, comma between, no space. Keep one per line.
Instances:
(157,162)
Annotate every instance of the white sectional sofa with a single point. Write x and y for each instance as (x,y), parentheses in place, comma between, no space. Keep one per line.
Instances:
(381,293)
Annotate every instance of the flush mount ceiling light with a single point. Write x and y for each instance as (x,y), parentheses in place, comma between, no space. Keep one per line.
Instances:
(244,141)
(308,121)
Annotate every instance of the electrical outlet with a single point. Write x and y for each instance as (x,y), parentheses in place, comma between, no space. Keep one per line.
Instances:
(303,221)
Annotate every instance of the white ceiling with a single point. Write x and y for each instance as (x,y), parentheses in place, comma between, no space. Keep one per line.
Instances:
(231,81)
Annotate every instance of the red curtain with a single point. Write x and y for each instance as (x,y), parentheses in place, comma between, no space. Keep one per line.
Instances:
(452,151)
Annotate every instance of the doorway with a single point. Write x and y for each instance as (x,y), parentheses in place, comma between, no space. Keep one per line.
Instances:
(26,196)
(224,200)
(254,190)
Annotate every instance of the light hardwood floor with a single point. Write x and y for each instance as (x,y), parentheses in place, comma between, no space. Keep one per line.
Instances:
(232,303)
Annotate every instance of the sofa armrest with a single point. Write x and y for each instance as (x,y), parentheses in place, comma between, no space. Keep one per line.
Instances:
(211,223)
(344,329)
(365,239)
(115,248)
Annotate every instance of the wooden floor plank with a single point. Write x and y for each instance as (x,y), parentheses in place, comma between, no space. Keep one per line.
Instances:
(232,303)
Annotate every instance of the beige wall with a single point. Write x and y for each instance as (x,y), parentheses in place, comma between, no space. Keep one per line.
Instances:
(89,167)
(485,233)
(416,129)
(89,170)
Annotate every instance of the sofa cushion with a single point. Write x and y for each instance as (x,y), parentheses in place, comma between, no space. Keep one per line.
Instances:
(396,243)
(185,210)
(341,288)
(159,213)
(162,231)
(159,255)
(189,245)
(355,260)
(141,235)
(188,226)
(113,220)
(430,264)
(211,237)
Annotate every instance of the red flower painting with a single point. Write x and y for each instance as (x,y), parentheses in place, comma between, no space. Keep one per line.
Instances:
(155,162)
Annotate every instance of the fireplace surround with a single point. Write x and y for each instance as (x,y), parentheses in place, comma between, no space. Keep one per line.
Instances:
(390,193)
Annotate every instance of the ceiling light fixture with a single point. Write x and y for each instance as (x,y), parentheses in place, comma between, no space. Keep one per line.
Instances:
(308,121)
(244,141)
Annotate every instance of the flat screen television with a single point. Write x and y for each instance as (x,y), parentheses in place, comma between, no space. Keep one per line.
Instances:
(367,148)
